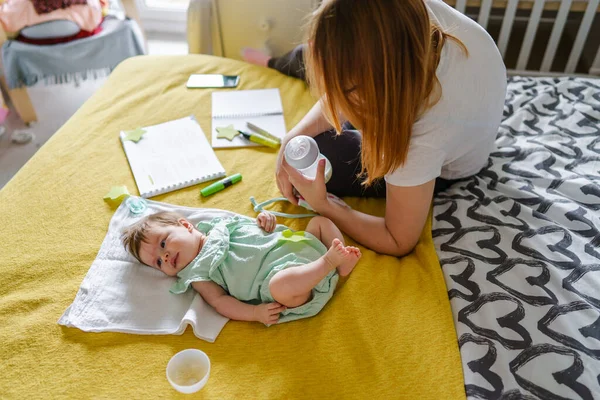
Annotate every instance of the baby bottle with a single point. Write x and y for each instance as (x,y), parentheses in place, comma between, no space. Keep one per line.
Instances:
(302,153)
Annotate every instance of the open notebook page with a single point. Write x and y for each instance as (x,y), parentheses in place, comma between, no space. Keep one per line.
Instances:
(238,107)
(171,156)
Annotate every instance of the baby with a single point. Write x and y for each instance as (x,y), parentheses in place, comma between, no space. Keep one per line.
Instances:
(248,270)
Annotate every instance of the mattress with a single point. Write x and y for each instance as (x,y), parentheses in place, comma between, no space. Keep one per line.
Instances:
(387,333)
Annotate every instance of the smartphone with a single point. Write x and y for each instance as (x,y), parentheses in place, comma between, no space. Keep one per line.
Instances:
(212,81)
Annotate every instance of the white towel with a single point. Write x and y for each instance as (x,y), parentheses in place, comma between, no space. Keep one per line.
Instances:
(118,294)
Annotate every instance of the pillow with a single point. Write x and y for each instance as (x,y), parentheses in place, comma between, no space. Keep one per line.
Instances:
(46,6)
(51,30)
(16,15)
(118,294)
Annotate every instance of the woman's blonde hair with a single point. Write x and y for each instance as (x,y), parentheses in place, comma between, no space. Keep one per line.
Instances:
(374,61)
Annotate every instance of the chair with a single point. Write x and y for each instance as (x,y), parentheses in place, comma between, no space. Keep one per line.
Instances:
(224,27)
(18,93)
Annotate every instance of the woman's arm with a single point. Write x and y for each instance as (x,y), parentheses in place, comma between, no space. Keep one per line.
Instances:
(395,234)
(313,123)
(398,232)
(230,307)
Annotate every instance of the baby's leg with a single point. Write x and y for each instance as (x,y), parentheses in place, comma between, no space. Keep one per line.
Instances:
(326,231)
(292,287)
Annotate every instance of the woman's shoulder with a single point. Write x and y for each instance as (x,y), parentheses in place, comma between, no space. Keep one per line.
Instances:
(453,22)
(447,17)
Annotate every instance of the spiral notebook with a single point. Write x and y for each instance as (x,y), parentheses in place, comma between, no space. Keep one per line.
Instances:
(238,107)
(171,156)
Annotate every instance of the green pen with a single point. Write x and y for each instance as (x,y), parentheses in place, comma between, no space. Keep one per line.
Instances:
(220,185)
(256,138)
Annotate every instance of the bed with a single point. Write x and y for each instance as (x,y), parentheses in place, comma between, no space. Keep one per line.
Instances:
(518,244)
(499,300)
(387,333)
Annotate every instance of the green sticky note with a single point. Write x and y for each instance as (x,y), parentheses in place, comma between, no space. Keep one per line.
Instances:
(117,193)
(227,132)
(134,135)
(295,237)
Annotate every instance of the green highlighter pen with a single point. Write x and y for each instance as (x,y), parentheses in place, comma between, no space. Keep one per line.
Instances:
(256,138)
(262,132)
(220,185)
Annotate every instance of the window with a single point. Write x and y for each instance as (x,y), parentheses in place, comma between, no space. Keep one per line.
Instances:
(163,15)
(166,4)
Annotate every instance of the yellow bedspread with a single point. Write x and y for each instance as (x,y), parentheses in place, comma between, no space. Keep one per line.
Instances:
(387,333)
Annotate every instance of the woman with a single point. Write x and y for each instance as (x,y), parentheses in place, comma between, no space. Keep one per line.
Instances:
(425,87)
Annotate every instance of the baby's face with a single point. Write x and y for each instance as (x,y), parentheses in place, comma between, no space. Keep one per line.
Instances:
(171,248)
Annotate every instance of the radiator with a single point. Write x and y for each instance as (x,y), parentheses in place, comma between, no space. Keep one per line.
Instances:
(535,37)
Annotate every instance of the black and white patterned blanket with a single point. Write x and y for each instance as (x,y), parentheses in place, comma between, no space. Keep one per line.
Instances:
(519,248)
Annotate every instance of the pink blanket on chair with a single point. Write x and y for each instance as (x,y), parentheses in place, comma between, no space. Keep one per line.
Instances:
(46,6)
(17,14)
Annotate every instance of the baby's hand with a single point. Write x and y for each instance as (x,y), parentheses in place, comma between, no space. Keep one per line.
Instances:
(268,313)
(266,221)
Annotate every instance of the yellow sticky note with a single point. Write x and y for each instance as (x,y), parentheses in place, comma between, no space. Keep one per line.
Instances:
(116,194)
(134,135)
(227,132)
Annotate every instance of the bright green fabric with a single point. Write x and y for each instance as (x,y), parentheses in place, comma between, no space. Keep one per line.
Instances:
(242,258)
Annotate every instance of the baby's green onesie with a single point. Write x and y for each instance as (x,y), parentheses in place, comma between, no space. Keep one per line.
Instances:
(242,258)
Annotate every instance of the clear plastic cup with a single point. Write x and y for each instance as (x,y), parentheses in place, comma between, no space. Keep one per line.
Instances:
(188,370)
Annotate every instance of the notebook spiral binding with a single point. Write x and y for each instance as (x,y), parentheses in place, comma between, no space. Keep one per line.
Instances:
(181,185)
(248,115)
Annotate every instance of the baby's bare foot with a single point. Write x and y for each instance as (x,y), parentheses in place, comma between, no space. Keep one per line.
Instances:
(336,254)
(349,262)
(255,56)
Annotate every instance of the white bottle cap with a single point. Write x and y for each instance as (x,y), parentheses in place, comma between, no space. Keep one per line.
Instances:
(301,152)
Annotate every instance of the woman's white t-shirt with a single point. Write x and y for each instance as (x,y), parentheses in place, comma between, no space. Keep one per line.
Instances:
(454,138)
